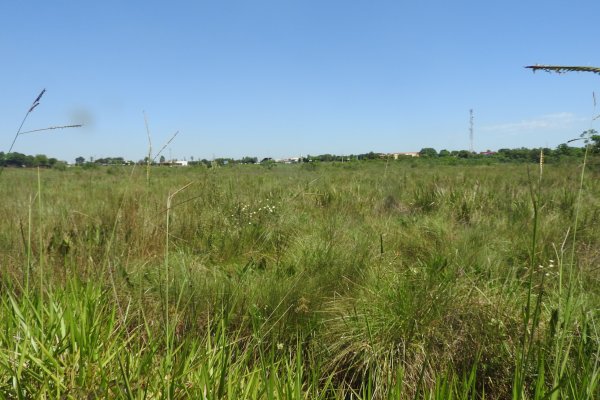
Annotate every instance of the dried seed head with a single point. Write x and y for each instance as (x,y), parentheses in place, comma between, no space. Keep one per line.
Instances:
(36,102)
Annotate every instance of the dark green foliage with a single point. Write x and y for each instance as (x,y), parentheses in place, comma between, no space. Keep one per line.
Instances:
(428,152)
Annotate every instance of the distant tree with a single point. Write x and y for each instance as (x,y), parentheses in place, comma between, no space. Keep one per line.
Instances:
(59,165)
(444,153)
(368,156)
(592,138)
(428,152)
(564,150)
(326,157)
(79,160)
(595,139)
(249,160)
(162,159)
(268,162)
(17,160)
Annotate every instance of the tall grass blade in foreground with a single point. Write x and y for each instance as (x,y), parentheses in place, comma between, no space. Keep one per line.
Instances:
(33,106)
(35,103)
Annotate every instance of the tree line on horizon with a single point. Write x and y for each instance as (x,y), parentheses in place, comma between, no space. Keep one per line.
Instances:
(562,152)
(16,159)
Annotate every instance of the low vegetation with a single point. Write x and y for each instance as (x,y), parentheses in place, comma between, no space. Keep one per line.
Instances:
(363,279)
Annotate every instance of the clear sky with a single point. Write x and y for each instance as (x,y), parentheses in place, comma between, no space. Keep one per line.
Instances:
(283,78)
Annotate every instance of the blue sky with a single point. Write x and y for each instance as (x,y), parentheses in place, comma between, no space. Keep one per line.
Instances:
(285,78)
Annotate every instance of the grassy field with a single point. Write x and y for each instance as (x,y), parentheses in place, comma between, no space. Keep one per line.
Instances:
(349,280)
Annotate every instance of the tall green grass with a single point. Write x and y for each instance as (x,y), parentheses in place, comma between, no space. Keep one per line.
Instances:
(354,280)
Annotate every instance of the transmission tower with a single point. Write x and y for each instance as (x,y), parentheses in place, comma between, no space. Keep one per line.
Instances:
(471,131)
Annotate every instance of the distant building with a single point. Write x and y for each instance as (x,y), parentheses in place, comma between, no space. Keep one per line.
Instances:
(291,160)
(174,163)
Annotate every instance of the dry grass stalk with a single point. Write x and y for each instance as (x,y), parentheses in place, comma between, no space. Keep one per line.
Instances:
(52,127)
(561,69)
